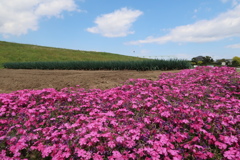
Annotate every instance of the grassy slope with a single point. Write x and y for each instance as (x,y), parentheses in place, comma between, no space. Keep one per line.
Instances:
(15,52)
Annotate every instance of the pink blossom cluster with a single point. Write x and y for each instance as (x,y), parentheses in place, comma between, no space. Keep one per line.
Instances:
(193,114)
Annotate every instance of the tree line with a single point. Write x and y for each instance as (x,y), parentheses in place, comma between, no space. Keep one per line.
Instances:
(208,60)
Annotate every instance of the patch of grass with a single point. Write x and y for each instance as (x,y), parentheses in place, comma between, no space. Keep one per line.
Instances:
(15,52)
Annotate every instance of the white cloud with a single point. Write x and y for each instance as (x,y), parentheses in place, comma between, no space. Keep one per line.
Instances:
(234,2)
(55,7)
(116,24)
(17,17)
(223,26)
(234,46)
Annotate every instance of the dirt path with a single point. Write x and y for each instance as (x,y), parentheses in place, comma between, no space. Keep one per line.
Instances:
(12,80)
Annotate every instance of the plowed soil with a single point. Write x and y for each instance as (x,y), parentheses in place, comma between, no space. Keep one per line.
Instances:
(12,80)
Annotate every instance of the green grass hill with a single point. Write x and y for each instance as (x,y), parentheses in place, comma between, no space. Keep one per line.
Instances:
(15,52)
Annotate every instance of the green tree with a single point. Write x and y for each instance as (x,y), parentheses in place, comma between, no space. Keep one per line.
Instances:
(204,60)
(236,61)
(194,60)
(207,60)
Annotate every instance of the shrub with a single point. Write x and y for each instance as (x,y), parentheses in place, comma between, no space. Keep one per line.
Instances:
(103,65)
(236,61)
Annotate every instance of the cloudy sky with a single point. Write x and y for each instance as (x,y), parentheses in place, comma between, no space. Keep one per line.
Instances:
(143,28)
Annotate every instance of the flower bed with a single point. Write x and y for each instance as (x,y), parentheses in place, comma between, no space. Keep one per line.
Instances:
(193,114)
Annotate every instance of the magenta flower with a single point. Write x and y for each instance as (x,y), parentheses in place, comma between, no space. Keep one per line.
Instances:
(220,145)
(47,150)
(111,144)
(97,157)
(229,139)
(120,139)
(84,154)
(185,115)
(82,141)
(116,156)
(232,154)
(165,114)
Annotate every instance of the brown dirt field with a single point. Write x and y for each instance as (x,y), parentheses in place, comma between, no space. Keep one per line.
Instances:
(12,80)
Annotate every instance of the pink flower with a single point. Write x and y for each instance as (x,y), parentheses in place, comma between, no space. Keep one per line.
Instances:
(165,114)
(229,140)
(187,146)
(110,113)
(148,104)
(148,149)
(163,139)
(189,114)
(158,146)
(201,155)
(120,103)
(111,144)
(120,139)
(230,154)
(147,120)
(82,141)
(177,157)
(94,139)
(82,153)
(134,106)
(195,139)
(47,150)
(185,121)
(196,126)
(210,155)
(2,138)
(154,155)
(116,156)
(15,151)
(130,143)
(140,151)
(66,154)
(173,152)
(220,145)
(97,157)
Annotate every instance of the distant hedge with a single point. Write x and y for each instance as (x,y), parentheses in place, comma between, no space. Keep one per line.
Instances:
(171,64)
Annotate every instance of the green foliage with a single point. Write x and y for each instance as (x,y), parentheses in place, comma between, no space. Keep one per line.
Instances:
(193,63)
(14,52)
(200,62)
(103,65)
(236,61)
(194,60)
(207,60)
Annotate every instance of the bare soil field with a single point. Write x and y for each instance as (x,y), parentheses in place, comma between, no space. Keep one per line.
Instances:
(12,80)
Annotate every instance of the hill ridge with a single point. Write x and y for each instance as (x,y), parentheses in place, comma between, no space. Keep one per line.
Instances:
(18,52)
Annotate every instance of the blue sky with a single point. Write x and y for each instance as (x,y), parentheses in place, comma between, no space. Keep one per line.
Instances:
(152,29)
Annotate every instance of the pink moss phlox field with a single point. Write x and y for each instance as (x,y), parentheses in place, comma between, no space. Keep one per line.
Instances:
(193,114)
